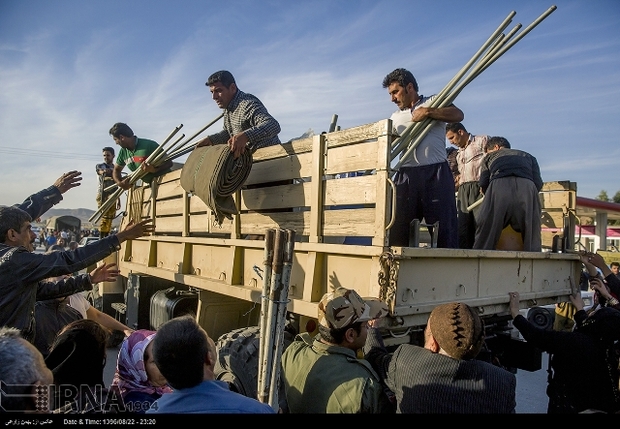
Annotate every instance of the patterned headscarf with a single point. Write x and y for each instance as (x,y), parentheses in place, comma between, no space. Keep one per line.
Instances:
(130,375)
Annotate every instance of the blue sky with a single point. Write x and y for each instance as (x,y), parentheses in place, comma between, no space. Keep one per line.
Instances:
(70,69)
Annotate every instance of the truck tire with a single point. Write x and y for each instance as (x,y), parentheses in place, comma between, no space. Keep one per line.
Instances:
(541,317)
(237,361)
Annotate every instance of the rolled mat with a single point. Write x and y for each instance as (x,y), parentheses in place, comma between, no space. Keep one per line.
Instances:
(212,174)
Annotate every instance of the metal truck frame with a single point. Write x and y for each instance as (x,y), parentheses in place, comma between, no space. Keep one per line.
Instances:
(333,189)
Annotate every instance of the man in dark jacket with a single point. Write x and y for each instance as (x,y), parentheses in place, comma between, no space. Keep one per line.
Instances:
(584,370)
(510,180)
(443,377)
(22,272)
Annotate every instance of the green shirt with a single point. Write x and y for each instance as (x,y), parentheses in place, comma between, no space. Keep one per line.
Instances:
(133,159)
(322,378)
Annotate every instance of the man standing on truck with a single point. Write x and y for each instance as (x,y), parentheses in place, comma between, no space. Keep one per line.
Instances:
(323,374)
(104,171)
(247,123)
(133,154)
(510,180)
(469,160)
(424,183)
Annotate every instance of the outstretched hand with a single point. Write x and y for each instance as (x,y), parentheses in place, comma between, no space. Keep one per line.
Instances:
(514,304)
(577,300)
(600,287)
(104,273)
(136,230)
(68,180)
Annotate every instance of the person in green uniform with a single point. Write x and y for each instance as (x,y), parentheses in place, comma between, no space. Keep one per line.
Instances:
(134,151)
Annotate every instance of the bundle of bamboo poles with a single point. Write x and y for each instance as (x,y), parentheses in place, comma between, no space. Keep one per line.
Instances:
(278,263)
(159,156)
(496,45)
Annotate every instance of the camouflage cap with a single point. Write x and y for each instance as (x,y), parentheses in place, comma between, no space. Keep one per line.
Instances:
(343,307)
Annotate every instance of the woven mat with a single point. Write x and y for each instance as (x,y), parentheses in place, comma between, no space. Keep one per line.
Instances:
(212,174)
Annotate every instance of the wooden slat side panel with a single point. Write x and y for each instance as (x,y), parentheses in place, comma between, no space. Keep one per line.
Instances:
(351,190)
(361,157)
(555,200)
(563,185)
(356,134)
(170,190)
(280,169)
(258,223)
(196,205)
(552,219)
(170,207)
(276,197)
(284,150)
(349,223)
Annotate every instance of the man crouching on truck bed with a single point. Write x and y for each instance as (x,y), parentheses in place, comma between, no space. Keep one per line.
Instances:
(246,120)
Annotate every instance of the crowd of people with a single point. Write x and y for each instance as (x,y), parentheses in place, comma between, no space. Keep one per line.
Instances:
(53,347)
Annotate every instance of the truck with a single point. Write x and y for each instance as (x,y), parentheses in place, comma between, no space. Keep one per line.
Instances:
(336,192)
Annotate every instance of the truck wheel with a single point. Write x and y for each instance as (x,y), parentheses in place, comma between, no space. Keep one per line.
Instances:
(541,317)
(237,362)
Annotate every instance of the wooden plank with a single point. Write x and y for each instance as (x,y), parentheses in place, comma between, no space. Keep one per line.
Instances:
(563,185)
(349,223)
(170,224)
(351,190)
(275,197)
(170,207)
(345,159)
(556,200)
(316,189)
(356,134)
(170,190)
(280,169)
(196,205)
(552,219)
(383,191)
(284,150)
(258,223)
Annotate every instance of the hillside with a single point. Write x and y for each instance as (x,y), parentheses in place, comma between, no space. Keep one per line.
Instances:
(82,214)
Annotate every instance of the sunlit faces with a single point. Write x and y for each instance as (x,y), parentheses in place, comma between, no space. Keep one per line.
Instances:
(24,237)
(107,156)
(124,141)
(459,138)
(155,377)
(222,95)
(403,97)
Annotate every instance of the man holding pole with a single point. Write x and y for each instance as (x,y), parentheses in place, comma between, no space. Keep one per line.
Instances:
(323,374)
(134,152)
(104,171)
(424,182)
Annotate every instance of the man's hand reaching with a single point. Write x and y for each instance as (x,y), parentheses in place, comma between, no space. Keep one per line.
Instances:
(68,180)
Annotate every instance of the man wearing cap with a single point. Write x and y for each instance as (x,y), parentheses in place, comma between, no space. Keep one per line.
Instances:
(443,377)
(323,374)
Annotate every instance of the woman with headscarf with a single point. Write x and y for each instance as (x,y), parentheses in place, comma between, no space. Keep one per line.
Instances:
(137,378)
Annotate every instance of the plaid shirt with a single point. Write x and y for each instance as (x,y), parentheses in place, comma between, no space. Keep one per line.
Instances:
(470,157)
(246,113)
